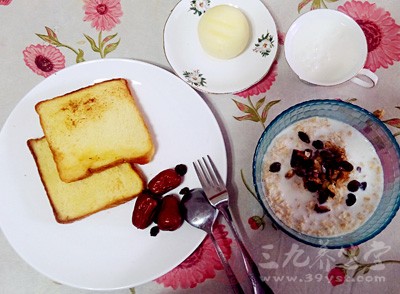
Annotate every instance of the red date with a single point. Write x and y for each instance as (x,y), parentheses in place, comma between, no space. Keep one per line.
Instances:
(145,210)
(167,180)
(169,217)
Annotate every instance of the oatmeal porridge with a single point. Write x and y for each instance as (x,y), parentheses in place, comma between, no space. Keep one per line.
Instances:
(322,177)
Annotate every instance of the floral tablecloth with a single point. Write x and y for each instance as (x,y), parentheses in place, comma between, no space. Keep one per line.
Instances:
(39,38)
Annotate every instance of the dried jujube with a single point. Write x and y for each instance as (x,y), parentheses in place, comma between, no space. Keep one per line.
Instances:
(169,217)
(167,180)
(345,165)
(144,210)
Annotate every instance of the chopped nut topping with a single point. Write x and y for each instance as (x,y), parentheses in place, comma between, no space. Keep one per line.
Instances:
(289,174)
(321,170)
(321,208)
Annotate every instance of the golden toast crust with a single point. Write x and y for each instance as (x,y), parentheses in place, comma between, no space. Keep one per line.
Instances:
(94,128)
(75,193)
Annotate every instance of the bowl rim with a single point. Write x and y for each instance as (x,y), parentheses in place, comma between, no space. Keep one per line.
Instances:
(280,226)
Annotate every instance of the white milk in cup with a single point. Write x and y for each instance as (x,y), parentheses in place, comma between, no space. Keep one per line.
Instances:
(326,47)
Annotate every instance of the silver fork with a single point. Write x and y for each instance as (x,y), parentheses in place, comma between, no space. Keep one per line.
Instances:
(217,193)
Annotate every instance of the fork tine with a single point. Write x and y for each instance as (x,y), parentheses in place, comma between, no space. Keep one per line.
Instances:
(208,175)
(200,174)
(211,175)
(205,172)
(216,173)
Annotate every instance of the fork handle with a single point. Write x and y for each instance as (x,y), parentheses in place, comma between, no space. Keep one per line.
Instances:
(237,289)
(259,286)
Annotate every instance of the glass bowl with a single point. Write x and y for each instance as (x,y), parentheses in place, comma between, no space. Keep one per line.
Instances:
(375,131)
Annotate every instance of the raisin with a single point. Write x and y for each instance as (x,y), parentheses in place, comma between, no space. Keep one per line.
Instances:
(308,163)
(304,137)
(345,165)
(322,197)
(275,167)
(154,231)
(312,186)
(330,163)
(184,191)
(328,172)
(326,154)
(300,172)
(318,144)
(351,199)
(353,185)
(181,169)
(363,186)
(330,193)
(324,194)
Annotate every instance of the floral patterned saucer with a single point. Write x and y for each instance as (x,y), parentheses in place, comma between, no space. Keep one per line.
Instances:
(211,75)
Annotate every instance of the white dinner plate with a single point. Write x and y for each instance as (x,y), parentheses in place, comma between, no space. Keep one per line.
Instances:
(211,75)
(105,251)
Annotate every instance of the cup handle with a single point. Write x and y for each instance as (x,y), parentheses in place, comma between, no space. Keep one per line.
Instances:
(368,75)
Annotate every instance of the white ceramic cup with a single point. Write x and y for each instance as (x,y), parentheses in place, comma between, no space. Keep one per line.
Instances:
(326,47)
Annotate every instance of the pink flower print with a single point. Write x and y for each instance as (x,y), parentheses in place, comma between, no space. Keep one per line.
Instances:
(337,276)
(201,265)
(44,59)
(256,222)
(262,86)
(5,2)
(351,252)
(104,14)
(281,38)
(381,31)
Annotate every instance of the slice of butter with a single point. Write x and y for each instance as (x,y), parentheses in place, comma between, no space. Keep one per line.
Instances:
(224,31)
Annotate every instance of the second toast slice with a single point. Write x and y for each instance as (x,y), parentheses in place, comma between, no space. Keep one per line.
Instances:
(74,201)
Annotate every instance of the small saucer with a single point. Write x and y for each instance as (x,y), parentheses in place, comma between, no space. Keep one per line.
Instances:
(206,73)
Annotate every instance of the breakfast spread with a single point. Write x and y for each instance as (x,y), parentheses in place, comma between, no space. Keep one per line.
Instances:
(94,128)
(322,177)
(93,136)
(224,31)
(79,207)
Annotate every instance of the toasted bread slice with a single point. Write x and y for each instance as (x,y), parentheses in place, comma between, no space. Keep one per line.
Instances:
(79,199)
(94,128)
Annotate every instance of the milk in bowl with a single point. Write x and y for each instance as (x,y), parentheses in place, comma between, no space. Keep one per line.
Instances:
(325,47)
